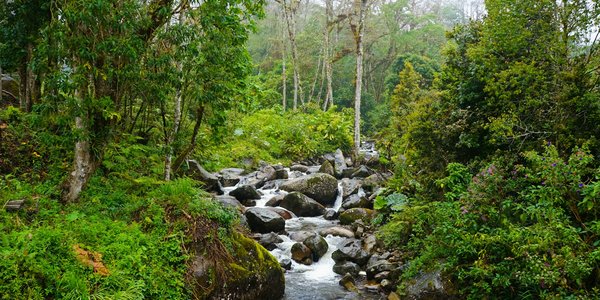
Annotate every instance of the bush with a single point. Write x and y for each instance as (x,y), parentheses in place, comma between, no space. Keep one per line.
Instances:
(274,136)
(511,231)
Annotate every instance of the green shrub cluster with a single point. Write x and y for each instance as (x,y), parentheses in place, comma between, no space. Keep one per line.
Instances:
(275,136)
(513,230)
(142,227)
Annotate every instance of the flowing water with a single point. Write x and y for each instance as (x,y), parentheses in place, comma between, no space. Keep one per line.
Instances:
(316,281)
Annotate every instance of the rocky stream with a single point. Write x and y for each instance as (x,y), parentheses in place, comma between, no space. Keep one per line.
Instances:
(314,217)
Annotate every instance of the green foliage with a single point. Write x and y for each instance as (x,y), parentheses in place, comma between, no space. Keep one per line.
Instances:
(273,136)
(513,230)
(141,226)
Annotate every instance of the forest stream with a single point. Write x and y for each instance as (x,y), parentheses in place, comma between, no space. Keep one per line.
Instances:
(316,280)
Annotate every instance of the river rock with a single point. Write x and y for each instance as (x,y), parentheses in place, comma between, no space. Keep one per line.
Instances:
(346,267)
(300,236)
(258,275)
(210,181)
(339,163)
(269,240)
(229,201)
(244,193)
(301,254)
(301,205)
(281,174)
(347,173)
(386,285)
(321,187)
(275,201)
(351,251)
(285,214)
(349,187)
(353,214)
(299,168)
(263,220)
(355,201)
(231,176)
(317,245)
(331,214)
(286,263)
(378,267)
(361,172)
(327,168)
(431,285)
(371,183)
(348,283)
(337,231)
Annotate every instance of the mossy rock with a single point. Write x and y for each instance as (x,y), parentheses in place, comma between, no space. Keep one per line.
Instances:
(350,215)
(320,187)
(251,273)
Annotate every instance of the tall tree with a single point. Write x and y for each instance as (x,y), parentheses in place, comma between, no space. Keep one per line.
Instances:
(290,11)
(357,25)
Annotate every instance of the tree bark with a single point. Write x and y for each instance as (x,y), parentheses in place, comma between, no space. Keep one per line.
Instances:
(179,161)
(30,91)
(283,69)
(171,136)
(289,12)
(327,59)
(358,28)
(1,78)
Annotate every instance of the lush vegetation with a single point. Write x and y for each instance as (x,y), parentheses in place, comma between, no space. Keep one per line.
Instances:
(497,176)
(487,117)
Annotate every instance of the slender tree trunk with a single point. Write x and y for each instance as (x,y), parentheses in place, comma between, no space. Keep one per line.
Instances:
(289,12)
(283,68)
(23,86)
(359,31)
(317,71)
(171,136)
(1,78)
(327,60)
(30,81)
(179,161)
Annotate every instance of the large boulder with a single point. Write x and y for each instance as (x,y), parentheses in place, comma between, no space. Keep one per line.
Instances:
(211,182)
(253,274)
(275,201)
(337,231)
(371,183)
(229,201)
(245,193)
(299,168)
(263,220)
(351,251)
(10,90)
(269,240)
(321,187)
(301,254)
(231,176)
(355,201)
(317,245)
(327,168)
(431,286)
(302,205)
(300,236)
(344,267)
(350,215)
(285,214)
(374,268)
(361,172)
(349,187)
(339,164)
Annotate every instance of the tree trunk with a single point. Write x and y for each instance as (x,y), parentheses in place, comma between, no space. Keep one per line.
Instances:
(1,78)
(171,136)
(30,80)
(359,31)
(290,17)
(283,69)
(327,60)
(23,86)
(179,161)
